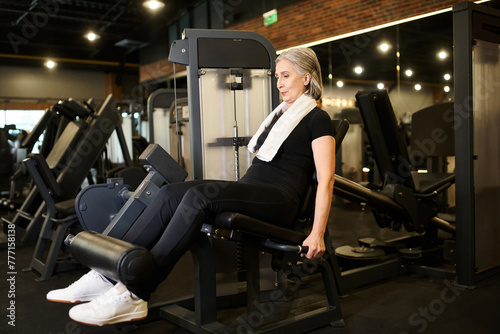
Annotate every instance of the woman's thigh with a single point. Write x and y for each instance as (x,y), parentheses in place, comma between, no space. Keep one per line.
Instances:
(265,202)
(148,227)
(203,201)
(185,205)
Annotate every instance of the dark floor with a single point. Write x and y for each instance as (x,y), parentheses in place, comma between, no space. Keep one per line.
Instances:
(404,304)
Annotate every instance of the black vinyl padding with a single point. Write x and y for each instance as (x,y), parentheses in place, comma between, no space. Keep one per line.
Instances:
(116,259)
(241,222)
(163,163)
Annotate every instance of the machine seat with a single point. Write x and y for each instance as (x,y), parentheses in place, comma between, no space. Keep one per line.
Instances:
(240,223)
(65,208)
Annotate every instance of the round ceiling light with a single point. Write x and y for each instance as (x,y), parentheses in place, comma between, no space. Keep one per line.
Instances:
(153,4)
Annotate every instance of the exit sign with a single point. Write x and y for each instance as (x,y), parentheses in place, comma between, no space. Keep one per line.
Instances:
(270,17)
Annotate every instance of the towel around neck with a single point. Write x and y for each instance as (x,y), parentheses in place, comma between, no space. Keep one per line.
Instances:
(283,127)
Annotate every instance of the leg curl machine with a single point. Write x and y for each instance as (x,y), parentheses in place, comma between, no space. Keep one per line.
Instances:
(128,263)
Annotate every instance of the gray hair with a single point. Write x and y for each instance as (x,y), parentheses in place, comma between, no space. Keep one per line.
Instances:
(305,61)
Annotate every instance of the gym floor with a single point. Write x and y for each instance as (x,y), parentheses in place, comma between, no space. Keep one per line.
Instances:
(404,304)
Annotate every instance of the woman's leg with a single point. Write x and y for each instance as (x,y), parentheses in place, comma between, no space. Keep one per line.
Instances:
(150,225)
(201,202)
(145,232)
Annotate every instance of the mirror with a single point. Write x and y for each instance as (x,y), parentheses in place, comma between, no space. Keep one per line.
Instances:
(413,61)
(385,56)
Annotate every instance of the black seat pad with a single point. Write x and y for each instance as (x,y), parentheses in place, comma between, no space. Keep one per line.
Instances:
(238,221)
(66,208)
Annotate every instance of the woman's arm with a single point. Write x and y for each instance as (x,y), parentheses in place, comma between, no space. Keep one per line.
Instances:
(324,159)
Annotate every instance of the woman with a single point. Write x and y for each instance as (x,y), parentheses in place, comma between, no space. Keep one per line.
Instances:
(293,140)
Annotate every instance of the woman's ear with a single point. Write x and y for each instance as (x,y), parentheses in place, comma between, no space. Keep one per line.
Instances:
(307,79)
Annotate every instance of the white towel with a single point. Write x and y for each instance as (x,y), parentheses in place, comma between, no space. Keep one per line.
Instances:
(283,127)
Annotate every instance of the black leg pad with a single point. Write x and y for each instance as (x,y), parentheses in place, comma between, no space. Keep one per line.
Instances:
(114,258)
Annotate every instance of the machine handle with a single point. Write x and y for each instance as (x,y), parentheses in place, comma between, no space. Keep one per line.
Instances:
(285,248)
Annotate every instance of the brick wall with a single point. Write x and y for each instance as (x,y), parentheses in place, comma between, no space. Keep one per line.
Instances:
(313,20)
(25,105)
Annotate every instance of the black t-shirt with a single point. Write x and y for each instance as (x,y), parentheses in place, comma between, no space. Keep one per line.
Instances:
(293,163)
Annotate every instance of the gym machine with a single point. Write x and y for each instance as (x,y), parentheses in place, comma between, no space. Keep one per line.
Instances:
(467,250)
(51,125)
(230,91)
(160,112)
(63,158)
(230,79)
(162,109)
(48,213)
(405,199)
(131,264)
(74,153)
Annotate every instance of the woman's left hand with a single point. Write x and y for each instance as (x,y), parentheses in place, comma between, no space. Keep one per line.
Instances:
(316,246)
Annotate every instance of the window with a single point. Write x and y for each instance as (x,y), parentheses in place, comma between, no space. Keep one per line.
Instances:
(23,120)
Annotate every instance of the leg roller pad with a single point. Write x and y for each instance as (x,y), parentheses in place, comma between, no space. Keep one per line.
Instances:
(114,258)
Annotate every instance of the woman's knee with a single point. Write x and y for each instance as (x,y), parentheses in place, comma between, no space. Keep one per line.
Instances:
(194,197)
(173,191)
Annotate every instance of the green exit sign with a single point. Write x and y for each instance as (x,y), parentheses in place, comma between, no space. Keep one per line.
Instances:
(270,17)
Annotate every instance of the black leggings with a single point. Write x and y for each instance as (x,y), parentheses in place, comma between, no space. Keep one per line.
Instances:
(172,222)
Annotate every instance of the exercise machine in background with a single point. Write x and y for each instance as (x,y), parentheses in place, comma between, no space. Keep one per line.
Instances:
(48,212)
(404,199)
(459,244)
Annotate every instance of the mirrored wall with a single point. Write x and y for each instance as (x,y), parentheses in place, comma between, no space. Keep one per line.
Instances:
(413,61)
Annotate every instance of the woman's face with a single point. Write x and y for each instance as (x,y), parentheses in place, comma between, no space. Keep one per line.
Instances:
(290,84)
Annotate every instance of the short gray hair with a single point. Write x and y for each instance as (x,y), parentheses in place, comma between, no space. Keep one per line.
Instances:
(306,61)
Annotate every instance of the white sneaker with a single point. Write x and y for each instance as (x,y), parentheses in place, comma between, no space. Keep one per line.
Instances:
(110,308)
(88,287)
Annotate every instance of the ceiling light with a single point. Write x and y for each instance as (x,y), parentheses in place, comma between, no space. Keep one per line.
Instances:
(442,55)
(447,76)
(91,36)
(340,83)
(409,73)
(50,64)
(153,4)
(380,85)
(418,87)
(446,89)
(330,76)
(358,70)
(384,47)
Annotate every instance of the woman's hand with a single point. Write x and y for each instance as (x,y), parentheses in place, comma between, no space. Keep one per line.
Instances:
(316,244)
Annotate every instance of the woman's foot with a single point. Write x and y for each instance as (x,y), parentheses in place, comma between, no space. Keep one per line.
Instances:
(116,305)
(87,288)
